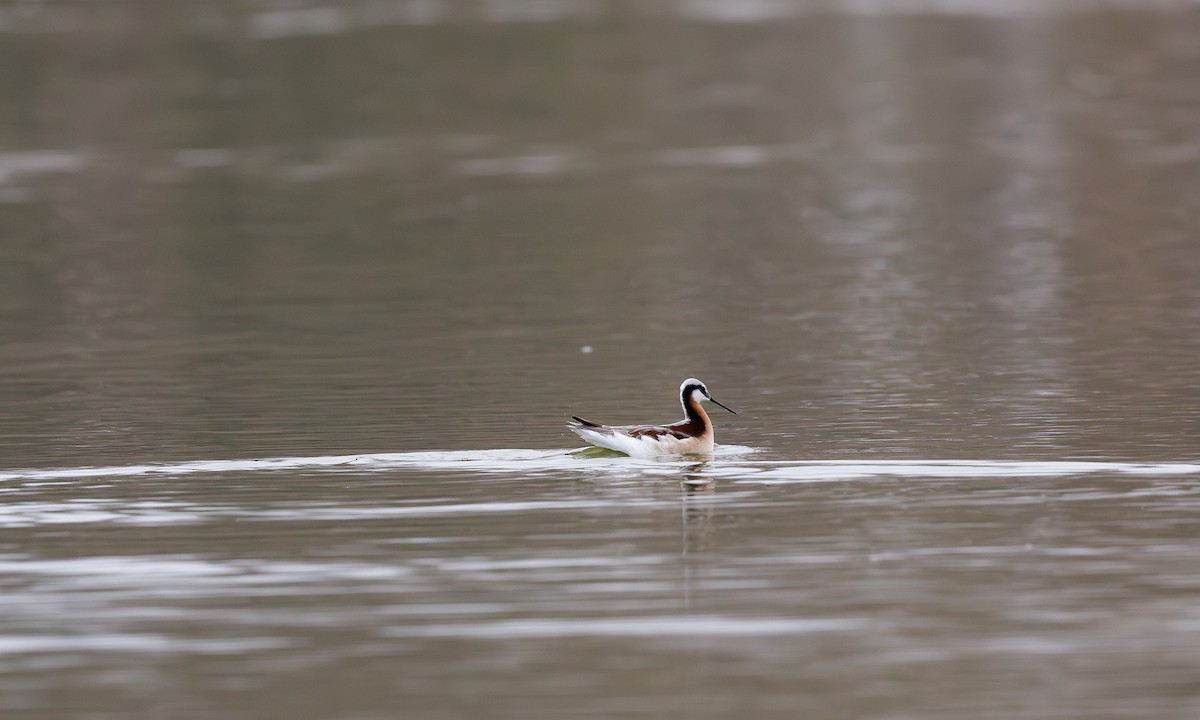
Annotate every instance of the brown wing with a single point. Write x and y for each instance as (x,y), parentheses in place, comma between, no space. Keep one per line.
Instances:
(655,431)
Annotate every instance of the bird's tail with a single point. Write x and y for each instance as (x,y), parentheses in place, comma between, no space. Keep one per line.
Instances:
(594,433)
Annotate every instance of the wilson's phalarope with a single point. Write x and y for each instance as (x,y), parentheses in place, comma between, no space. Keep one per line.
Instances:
(692,434)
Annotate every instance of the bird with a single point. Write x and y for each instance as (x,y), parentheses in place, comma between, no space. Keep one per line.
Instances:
(692,434)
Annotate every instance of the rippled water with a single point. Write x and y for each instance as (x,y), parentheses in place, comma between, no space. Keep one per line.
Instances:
(295,299)
(508,582)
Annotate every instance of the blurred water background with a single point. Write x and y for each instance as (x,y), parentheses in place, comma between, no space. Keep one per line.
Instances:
(295,298)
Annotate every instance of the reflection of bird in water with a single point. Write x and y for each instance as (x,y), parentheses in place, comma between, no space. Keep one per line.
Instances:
(697,512)
(692,434)
(695,498)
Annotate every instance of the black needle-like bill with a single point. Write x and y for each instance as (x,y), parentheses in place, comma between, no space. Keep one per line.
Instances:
(710,397)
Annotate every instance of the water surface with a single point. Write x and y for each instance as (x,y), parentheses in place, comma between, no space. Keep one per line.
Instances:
(294,302)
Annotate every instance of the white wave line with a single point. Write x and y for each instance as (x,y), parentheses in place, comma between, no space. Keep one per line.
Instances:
(516,461)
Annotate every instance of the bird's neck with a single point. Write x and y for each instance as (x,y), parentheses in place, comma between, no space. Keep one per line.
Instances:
(695,413)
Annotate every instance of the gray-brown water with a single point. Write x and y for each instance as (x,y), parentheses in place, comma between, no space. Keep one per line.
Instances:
(294,301)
